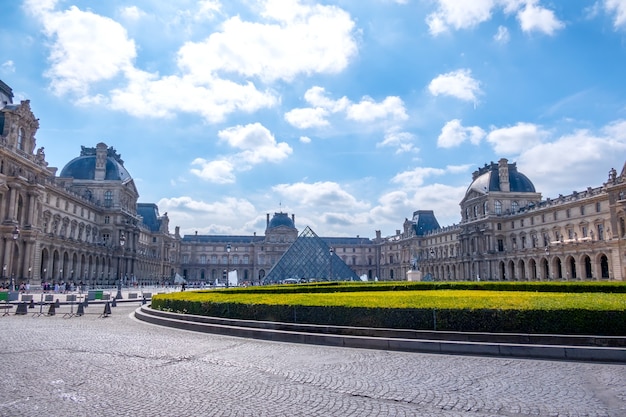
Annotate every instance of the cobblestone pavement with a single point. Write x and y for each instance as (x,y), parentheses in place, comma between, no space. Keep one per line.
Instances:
(118,366)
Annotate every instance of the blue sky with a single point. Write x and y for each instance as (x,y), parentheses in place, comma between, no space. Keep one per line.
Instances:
(350,114)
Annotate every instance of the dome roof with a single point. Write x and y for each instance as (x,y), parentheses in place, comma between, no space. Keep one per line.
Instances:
(281,219)
(84,167)
(487,179)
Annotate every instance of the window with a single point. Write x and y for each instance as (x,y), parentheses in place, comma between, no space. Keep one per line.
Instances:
(107,219)
(514,207)
(108,198)
(600,232)
(513,225)
(582,210)
(485,208)
(521,223)
(500,245)
(499,226)
(555,216)
(498,207)
(475,211)
(202,259)
(598,207)
(105,238)
(567,213)
(584,230)
(20,139)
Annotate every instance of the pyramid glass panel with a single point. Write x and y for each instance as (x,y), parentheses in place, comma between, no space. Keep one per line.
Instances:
(310,258)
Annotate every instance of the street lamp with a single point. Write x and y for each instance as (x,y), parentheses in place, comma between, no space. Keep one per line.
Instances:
(118,296)
(331,251)
(15,234)
(227,263)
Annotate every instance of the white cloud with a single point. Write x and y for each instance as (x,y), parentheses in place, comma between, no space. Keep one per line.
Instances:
(257,143)
(297,39)
(132,13)
(214,217)
(86,48)
(618,7)
(316,96)
(415,178)
(147,95)
(305,139)
(368,110)
(454,133)
(515,139)
(307,117)
(7,67)
(459,15)
(216,76)
(455,14)
(318,194)
(580,152)
(218,171)
(502,36)
(537,18)
(402,141)
(459,84)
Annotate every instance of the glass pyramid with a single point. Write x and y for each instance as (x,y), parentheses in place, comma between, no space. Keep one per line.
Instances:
(310,258)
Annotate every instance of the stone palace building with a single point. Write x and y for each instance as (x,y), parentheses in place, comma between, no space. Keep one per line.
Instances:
(86,224)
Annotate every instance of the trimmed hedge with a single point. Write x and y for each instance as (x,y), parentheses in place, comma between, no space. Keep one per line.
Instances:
(538,286)
(593,321)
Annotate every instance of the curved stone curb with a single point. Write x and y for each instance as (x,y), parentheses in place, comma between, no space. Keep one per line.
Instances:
(387,339)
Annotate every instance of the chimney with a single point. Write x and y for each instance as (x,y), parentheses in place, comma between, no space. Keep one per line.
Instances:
(101,161)
(268,221)
(293,219)
(503,174)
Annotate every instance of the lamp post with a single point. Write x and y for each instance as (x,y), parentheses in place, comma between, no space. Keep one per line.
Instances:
(15,234)
(4,274)
(331,251)
(227,263)
(118,296)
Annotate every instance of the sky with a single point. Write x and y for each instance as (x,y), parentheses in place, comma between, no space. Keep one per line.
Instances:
(350,114)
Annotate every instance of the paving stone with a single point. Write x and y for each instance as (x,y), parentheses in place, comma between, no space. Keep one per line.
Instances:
(119,366)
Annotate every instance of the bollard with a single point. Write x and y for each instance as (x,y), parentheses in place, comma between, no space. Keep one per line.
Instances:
(143,300)
(31,304)
(52,309)
(113,302)
(107,310)
(81,309)
(57,303)
(86,303)
(21,309)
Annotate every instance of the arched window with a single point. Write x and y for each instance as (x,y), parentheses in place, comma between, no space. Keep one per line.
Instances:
(486,208)
(498,207)
(514,207)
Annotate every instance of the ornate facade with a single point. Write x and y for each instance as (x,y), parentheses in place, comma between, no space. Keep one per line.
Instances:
(82,226)
(507,232)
